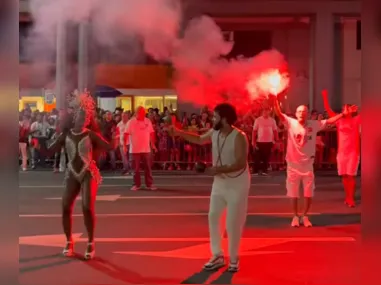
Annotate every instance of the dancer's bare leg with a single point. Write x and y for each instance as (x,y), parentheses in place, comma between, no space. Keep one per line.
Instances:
(89,192)
(71,192)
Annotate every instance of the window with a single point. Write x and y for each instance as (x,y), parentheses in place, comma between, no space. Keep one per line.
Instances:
(125,102)
(249,43)
(24,31)
(170,100)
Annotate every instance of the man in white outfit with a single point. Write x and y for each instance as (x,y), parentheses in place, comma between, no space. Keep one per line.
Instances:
(231,182)
(348,152)
(300,156)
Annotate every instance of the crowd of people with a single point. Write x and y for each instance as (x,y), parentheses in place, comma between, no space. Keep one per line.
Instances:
(267,151)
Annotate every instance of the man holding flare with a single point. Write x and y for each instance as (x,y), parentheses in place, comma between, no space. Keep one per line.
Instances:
(300,155)
(231,182)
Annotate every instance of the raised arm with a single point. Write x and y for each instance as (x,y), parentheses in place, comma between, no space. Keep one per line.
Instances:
(327,107)
(350,110)
(278,111)
(192,137)
(254,134)
(99,141)
(241,153)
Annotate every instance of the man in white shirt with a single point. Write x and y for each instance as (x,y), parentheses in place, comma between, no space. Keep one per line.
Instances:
(123,144)
(300,156)
(38,131)
(265,133)
(140,133)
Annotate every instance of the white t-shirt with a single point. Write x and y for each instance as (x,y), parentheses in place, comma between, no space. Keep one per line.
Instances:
(41,128)
(348,132)
(265,128)
(139,135)
(122,127)
(301,140)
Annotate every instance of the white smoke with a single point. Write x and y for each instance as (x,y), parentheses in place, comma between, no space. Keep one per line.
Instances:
(197,55)
(155,22)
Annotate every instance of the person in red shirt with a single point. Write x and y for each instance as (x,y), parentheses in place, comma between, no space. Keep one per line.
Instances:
(24,128)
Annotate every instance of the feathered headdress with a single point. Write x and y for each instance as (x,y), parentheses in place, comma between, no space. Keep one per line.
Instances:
(82,101)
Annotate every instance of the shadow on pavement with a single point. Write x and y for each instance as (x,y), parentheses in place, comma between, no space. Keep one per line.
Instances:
(46,266)
(199,277)
(36,258)
(203,276)
(123,274)
(326,219)
(336,219)
(225,278)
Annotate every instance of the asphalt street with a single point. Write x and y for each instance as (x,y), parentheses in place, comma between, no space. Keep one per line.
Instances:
(161,237)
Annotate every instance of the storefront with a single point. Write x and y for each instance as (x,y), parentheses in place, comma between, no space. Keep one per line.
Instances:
(42,100)
(148,98)
(131,102)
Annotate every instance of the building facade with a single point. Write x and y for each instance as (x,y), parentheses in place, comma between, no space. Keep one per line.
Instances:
(320,40)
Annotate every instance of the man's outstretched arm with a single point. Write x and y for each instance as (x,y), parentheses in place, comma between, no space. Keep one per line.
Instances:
(193,138)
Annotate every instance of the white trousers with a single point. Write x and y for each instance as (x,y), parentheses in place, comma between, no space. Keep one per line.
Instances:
(232,195)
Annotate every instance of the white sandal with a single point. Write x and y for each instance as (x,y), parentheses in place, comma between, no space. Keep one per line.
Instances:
(69,249)
(90,251)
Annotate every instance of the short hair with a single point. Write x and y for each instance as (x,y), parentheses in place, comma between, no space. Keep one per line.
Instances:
(305,106)
(228,112)
(138,108)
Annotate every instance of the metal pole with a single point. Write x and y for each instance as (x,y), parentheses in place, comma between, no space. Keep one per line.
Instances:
(61,65)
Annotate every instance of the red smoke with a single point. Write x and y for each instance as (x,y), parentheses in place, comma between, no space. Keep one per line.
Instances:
(204,77)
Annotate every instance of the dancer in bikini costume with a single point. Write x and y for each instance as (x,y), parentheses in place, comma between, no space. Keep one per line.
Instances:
(82,173)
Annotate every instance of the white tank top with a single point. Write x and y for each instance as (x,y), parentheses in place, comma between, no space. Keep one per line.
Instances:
(223,152)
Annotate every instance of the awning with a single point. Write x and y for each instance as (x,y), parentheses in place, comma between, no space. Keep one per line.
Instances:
(107,92)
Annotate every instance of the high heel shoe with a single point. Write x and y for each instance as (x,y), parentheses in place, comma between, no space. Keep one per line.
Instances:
(90,251)
(69,249)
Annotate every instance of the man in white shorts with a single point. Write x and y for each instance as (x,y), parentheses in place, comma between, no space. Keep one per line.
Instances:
(348,152)
(300,156)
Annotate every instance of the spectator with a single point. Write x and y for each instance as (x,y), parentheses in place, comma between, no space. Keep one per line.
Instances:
(123,143)
(38,131)
(163,137)
(174,144)
(191,149)
(108,131)
(141,135)
(24,128)
(265,133)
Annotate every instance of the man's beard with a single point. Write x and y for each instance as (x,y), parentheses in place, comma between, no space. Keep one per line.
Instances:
(217,126)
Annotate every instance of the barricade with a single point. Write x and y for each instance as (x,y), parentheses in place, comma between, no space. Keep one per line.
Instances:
(182,155)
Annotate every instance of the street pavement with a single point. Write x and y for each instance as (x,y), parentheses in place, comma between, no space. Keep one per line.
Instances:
(161,237)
